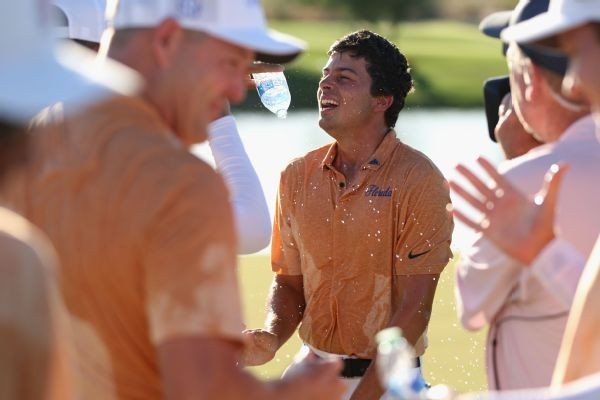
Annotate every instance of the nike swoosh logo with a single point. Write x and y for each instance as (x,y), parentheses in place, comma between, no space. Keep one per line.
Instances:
(411,255)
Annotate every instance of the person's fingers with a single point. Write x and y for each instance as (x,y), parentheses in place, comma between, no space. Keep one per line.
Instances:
(505,105)
(475,181)
(501,181)
(467,221)
(329,368)
(258,68)
(552,183)
(472,200)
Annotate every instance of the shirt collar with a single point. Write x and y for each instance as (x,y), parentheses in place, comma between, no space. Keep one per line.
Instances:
(379,157)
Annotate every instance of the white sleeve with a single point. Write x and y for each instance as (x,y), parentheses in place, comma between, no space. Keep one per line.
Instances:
(558,267)
(485,278)
(252,219)
(587,388)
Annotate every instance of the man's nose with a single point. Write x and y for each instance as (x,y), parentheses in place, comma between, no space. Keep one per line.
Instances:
(236,92)
(325,82)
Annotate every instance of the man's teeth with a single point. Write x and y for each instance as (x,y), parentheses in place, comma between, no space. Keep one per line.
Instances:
(327,102)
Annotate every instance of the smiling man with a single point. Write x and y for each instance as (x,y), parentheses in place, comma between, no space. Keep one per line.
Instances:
(361,230)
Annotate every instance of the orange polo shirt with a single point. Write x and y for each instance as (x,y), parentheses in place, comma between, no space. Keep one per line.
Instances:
(145,238)
(348,243)
(35,361)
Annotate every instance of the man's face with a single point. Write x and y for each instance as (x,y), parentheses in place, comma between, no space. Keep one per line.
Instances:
(209,71)
(583,48)
(344,93)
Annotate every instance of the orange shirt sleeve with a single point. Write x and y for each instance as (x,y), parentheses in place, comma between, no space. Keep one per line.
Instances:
(285,255)
(190,259)
(425,233)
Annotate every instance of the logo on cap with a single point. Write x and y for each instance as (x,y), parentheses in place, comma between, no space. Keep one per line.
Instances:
(189,8)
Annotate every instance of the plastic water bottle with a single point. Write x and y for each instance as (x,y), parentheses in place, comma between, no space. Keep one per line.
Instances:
(395,367)
(273,92)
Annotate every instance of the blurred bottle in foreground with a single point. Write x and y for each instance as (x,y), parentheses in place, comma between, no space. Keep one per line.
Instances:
(396,367)
(273,91)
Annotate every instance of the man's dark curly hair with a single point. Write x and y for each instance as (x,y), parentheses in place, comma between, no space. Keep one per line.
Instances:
(386,65)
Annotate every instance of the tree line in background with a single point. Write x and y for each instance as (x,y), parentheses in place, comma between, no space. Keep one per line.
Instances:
(385,10)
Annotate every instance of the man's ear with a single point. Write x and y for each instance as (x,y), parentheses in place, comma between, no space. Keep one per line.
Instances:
(166,39)
(534,81)
(382,103)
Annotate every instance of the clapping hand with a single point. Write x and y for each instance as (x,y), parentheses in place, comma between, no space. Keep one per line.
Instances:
(519,225)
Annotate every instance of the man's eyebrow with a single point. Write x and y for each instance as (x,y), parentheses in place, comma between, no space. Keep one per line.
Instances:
(341,69)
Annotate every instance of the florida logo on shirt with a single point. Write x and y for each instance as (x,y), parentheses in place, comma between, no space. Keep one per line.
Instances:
(376,191)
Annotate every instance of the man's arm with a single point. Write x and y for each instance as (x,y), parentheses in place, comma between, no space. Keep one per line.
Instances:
(286,307)
(251,214)
(523,227)
(414,296)
(485,277)
(202,367)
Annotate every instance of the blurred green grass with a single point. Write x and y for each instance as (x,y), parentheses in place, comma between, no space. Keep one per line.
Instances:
(450,60)
(454,357)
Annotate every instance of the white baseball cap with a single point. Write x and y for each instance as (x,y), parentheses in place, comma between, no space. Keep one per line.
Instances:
(241,22)
(561,16)
(36,72)
(85,19)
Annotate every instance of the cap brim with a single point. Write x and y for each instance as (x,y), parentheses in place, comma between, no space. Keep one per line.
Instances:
(493,24)
(539,27)
(269,45)
(70,74)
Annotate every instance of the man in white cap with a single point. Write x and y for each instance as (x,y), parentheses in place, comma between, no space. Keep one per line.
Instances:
(83,22)
(525,300)
(143,228)
(34,334)
(574,26)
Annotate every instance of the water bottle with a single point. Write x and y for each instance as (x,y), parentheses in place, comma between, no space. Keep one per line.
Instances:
(273,92)
(395,367)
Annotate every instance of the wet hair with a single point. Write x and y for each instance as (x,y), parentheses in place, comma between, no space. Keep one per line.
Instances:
(386,65)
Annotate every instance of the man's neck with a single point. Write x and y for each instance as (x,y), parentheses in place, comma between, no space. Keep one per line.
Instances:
(353,151)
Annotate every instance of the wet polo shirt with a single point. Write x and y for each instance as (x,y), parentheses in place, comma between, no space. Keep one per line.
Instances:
(144,233)
(348,243)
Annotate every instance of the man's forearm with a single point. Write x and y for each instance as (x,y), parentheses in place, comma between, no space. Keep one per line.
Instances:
(286,307)
(413,296)
(369,387)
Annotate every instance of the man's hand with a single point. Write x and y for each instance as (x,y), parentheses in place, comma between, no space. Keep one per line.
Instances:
(261,347)
(254,68)
(518,225)
(510,133)
(258,68)
(313,379)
